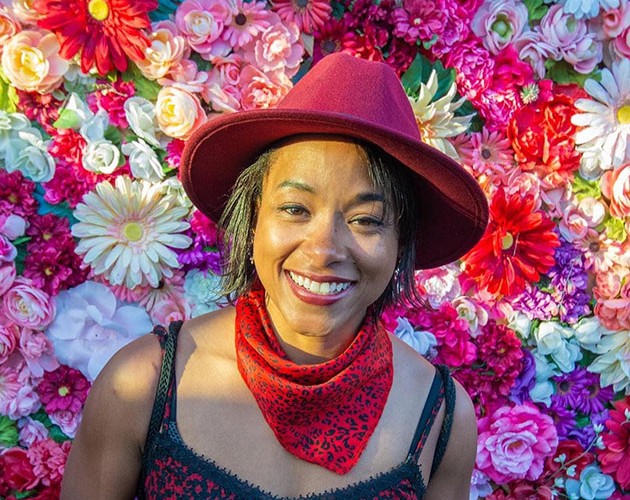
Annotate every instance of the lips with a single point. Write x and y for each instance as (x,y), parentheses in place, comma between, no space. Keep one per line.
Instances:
(319,287)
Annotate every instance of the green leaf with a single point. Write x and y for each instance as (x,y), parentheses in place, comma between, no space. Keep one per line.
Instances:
(585,189)
(113,135)
(536,9)
(60,210)
(615,229)
(68,118)
(8,95)
(144,87)
(338,9)
(419,72)
(563,73)
(53,430)
(9,435)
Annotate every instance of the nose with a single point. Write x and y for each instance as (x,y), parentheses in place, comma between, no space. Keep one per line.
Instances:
(325,241)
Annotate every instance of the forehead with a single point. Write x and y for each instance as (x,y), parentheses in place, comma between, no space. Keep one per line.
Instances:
(320,160)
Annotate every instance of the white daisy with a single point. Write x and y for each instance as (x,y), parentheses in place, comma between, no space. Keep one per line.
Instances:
(606,121)
(127,232)
(436,120)
(614,363)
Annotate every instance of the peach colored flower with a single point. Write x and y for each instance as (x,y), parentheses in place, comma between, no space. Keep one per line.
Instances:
(28,306)
(31,61)
(178,112)
(24,11)
(615,185)
(262,91)
(9,26)
(167,49)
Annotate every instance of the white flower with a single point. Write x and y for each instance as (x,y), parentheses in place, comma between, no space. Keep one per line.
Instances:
(140,114)
(203,292)
(26,151)
(521,324)
(143,161)
(422,341)
(91,326)
(542,391)
(127,232)
(77,109)
(10,122)
(606,120)
(172,187)
(436,120)
(614,363)
(552,339)
(587,8)
(101,157)
(588,332)
(94,127)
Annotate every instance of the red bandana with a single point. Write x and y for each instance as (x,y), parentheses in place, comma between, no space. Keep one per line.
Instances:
(323,413)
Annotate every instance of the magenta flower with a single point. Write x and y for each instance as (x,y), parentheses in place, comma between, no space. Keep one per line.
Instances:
(513,443)
(63,389)
(49,460)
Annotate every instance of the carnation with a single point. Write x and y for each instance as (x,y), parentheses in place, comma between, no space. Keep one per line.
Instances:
(514,443)
(48,459)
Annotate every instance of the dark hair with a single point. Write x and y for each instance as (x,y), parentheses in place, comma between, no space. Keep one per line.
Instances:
(239,219)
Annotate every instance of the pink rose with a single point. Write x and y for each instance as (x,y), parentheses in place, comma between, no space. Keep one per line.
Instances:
(278,48)
(202,22)
(615,185)
(38,352)
(67,421)
(513,443)
(12,226)
(7,276)
(9,338)
(27,306)
(532,48)
(186,76)
(178,112)
(262,91)
(498,22)
(31,431)
(573,226)
(17,398)
(621,45)
(169,309)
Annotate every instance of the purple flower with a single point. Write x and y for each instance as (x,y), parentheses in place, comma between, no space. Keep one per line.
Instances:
(526,379)
(563,418)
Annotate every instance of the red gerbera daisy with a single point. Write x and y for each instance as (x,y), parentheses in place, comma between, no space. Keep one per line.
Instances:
(105,31)
(615,456)
(517,247)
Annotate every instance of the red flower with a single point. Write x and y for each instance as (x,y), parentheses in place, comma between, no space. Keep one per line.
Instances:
(615,457)
(105,31)
(574,454)
(17,470)
(542,136)
(517,247)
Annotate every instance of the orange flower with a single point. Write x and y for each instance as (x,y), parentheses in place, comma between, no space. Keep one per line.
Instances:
(517,247)
(105,31)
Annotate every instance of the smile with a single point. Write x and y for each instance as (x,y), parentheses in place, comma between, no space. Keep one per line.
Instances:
(320,288)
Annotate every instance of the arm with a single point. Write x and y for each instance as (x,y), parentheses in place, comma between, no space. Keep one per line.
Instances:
(105,458)
(451,480)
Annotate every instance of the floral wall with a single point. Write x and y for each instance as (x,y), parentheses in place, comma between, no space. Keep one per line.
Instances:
(98,242)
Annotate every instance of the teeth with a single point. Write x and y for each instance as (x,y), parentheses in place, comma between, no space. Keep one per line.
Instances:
(326,288)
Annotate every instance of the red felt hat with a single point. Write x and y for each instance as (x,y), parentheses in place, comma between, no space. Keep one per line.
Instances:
(348,96)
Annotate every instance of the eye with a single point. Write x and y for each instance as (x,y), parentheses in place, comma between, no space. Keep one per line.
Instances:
(367,221)
(293,210)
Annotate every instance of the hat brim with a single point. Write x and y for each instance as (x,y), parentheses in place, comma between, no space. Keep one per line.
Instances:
(453,210)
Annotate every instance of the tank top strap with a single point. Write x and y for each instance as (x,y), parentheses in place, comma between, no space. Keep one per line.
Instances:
(442,388)
(168,342)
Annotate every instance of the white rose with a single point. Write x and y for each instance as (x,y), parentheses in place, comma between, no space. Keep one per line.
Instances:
(179,113)
(101,157)
(143,161)
(552,340)
(140,115)
(172,187)
(422,341)
(27,152)
(93,129)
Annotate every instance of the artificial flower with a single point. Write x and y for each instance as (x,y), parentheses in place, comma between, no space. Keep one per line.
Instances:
(517,247)
(63,389)
(201,23)
(128,231)
(308,15)
(615,186)
(591,484)
(49,459)
(178,112)
(498,23)
(422,341)
(613,362)
(246,20)
(27,306)
(106,32)
(615,455)
(166,51)
(606,120)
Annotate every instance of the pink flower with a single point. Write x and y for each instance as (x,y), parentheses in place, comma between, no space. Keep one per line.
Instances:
(246,20)
(498,22)
(38,352)
(67,421)
(48,459)
(167,49)
(63,389)
(514,442)
(31,431)
(179,113)
(474,67)
(7,276)
(490,153)
(615,185)
(16,194)
(308,15)
(169,309)
(262,91)
(111,97)
(9,339)
(278,48)
(8,252)
(27,306)
(17,398)
(615,456)
(533,49)
(9,26)
(17,470)
(202,23)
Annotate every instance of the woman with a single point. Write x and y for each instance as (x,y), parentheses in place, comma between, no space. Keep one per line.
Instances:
(296,390)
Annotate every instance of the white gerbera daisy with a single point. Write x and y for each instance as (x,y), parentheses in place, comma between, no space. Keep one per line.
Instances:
(127,232)
(606,121)
(436,120)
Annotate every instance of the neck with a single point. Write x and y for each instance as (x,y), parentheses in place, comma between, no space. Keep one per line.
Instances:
(308,350)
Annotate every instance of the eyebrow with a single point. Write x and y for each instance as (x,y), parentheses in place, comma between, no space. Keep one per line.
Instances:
(360,198)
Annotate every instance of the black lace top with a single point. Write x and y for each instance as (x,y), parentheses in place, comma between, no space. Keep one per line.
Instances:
(172,470)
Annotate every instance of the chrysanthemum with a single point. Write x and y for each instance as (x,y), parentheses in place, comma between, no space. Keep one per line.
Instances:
(436,119)
(105,31)
(604,140)
(128,231)
(246,21)
(517,247)
(307,14)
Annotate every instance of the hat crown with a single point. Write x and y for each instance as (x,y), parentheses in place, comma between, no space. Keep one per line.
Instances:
(355,88)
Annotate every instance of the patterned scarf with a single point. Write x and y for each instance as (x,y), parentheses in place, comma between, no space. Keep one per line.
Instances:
(323,413)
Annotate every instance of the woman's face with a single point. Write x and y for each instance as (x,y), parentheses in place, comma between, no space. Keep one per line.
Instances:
(325,248)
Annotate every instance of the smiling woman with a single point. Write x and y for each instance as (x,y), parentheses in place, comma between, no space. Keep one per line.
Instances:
(296,389)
